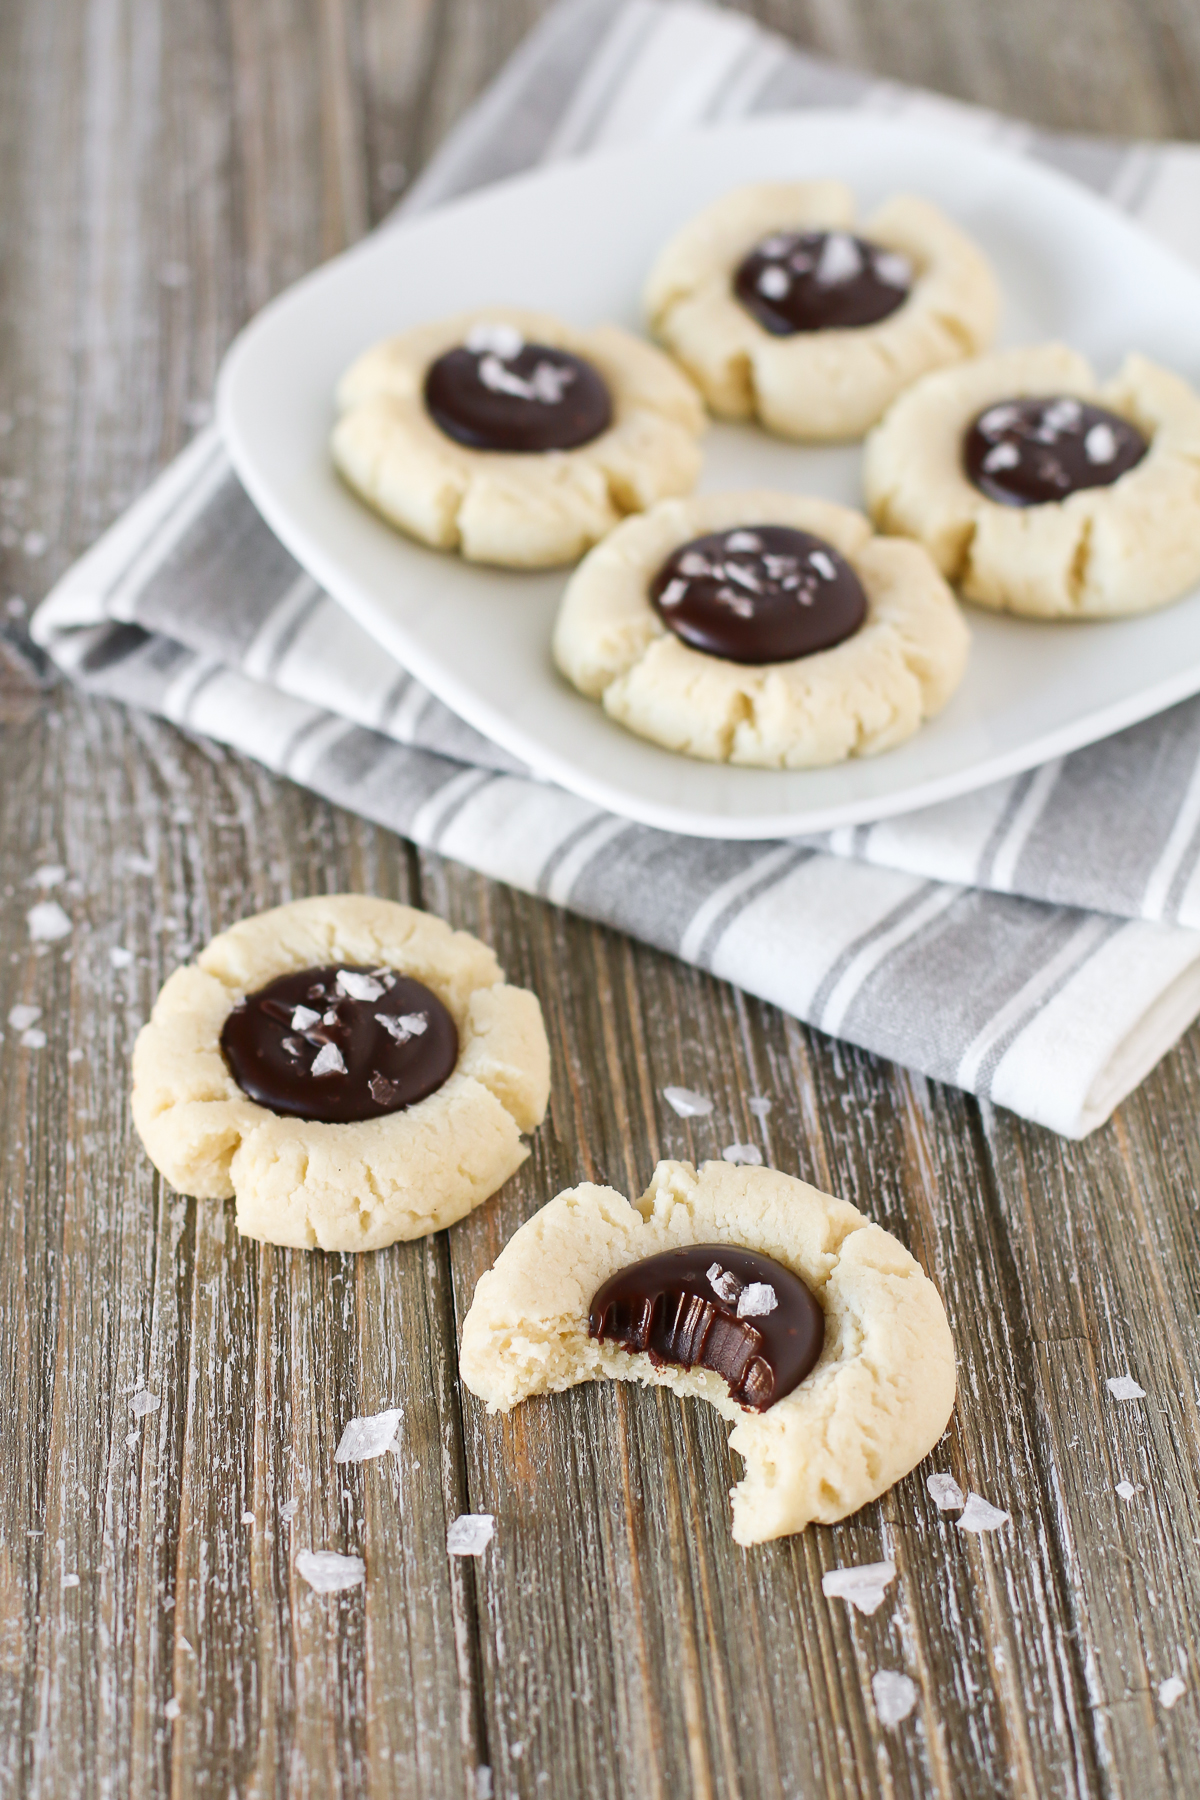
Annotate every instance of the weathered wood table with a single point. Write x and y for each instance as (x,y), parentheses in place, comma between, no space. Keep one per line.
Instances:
(165,168)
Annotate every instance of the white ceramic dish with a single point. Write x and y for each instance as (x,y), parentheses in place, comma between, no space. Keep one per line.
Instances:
(577,239)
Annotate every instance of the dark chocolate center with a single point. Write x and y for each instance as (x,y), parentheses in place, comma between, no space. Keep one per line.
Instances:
(733,1311)
(1027,452)
(340,1044)
(821,280)
(496,392)
(759,594)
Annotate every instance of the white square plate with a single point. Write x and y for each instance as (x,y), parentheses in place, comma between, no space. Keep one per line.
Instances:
(577,239)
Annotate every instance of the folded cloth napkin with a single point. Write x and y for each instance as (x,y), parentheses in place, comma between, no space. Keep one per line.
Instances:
(1037,943)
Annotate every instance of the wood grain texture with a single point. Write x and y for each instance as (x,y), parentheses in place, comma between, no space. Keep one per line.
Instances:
(166,168)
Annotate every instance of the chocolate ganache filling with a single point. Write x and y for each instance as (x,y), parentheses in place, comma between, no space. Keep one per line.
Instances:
(820,281)
(1028,452)
(759,594)
(340,1044)
(496,392)
(733,1311)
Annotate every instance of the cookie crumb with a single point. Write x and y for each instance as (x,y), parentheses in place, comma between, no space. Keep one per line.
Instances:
(895,1696)
(470,1534)
(864,1585)
(1171,1690)
(748,1154)
(687,1102)
(1124,1387)
(328,1571)
(945,1493)
(47,922)
(980,1515)
(368,1437)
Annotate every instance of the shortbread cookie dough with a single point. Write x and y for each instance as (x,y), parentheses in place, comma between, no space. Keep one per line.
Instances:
(513,438)
(352,1070)
(779,311)
(868,638)
(1040,491)
(863,1412)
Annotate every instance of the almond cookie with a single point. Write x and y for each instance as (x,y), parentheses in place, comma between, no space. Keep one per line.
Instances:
(787,1310)
(1041,492)
(761,628)
(779,311)
(513,438)
(352,1070)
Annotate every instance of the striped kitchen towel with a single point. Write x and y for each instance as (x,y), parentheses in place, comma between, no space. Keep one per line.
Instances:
(1037,943)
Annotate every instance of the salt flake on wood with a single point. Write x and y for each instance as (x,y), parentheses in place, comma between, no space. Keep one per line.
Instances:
(945,1493)
(687,1102)
(864,1587)
(368,1437)
(120,957)
(288,1511)
(1124,1387)
(759,1106)
(172,1709)
(980,1515)
(73,1581)
(22,1017)
(328,1571)
(144,1402)
(470,1534)
(48,876)
(1171,1690)
(895,1696)
(33,1040)
(1126,1490)
(248,1518)
(47,922)
(742,1153)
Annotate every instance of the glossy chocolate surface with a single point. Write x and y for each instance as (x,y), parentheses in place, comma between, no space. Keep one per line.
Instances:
(759,594)
(682,1307)
(496,392)
(393,1039)
(1028,452)
(821,281)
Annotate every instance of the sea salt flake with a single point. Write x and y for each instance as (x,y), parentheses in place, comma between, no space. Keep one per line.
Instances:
(304,1018)
(33,1040)
(1126,1490)
(756,1299)
(840,260)
(359,987)
(48,876)
(774,282)
(47,922)
(746,541)
(1124,1387)
(759,1105)
(863,1587)
(119,957)
(550,381)
(369,1436)
(997,419)
(406,1026)
(893,269)
(980,1515)
(742,1153)
(172,1709)
(673,593)
(1001,456)
(777,245)
(945,1493)
(1171,1690)
(328,1571)
(1062,415)
(503,340)
(823,564)
(144,1402)
(1100,444)
(687,1102)
(895,1696)
(470,1534)
(328,1061)
(692,564)
(724,1283)
(22,1017)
